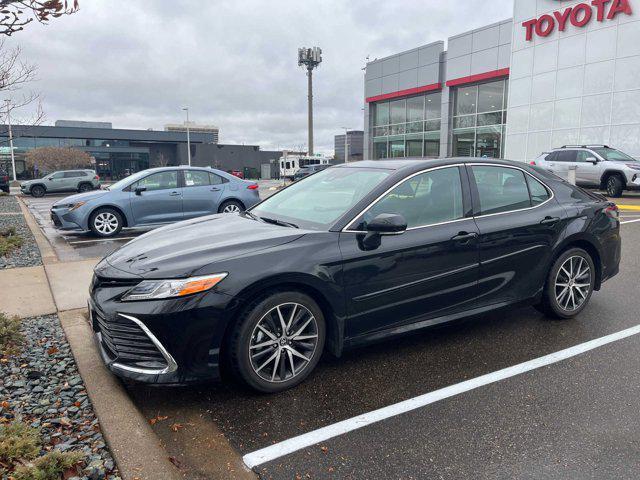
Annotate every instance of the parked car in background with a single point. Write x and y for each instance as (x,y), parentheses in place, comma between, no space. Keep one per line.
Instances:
(4,181)
(597,166)
(354,254)
(62,181)
(237,173)
(310,170)
(153,197)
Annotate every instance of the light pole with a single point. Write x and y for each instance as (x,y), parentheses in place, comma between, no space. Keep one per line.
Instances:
(310,58)
(186,109)
(13,158)
(346,144)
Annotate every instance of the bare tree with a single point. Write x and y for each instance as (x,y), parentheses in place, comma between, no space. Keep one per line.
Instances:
(16,14)
(48,159)
(161,160)
(15,74)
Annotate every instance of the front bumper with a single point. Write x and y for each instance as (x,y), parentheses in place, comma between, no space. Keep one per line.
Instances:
(168,342)
(63,219)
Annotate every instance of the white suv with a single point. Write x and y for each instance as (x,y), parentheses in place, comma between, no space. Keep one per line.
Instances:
(597,166)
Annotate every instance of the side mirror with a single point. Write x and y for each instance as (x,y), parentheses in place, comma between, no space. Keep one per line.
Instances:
(139,190)
(593,160)
(383,224)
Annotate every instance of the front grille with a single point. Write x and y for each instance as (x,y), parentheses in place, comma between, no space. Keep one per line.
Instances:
(128,345)
(102,282)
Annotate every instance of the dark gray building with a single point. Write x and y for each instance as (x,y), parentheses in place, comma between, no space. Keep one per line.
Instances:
(118,152)
(354,145)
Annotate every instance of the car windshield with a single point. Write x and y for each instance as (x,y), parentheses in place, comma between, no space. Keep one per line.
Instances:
(119,185)
(613,155)
(317,201)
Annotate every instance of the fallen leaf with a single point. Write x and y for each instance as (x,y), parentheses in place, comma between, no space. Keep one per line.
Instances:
(324,449)
(53,350)
(176,426)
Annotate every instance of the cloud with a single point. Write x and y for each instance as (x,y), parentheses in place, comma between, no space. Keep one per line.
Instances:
(233,62)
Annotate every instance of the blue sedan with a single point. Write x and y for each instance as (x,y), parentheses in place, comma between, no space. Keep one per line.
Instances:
(155,197)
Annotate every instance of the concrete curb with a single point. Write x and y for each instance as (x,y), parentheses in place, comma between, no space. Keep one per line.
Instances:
(134,446)
(47,252)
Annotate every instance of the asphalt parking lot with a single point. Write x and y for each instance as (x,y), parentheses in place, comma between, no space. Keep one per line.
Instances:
(573,417)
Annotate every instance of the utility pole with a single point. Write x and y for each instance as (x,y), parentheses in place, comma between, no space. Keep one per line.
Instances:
(13,158)
(186,109)
(310,58)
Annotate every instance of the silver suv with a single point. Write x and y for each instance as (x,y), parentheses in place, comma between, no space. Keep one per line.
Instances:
(597,166)
(63,181)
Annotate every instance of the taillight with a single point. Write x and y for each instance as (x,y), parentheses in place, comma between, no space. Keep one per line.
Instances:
(612,212)
(253,187)
(97,177)
(532,163)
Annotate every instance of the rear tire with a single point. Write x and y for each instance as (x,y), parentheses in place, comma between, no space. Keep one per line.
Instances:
(38,191)
(614,186)
(106,222)
(231,206)
(569,285)
(277,341)
(85,187)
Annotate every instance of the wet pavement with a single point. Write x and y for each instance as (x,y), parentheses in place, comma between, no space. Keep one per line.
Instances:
(574,419)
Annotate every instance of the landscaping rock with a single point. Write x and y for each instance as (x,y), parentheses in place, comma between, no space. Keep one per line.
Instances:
(27,255)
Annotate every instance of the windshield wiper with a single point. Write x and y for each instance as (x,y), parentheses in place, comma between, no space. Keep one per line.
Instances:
(249,214)
(282,223)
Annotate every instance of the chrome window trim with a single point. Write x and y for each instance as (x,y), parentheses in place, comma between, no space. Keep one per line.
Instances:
(371,205)
(550,190)
(172,366)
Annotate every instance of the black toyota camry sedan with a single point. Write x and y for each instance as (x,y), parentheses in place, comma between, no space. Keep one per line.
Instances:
(352,254)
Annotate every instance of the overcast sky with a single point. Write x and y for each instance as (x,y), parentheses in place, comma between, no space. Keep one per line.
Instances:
(136,63)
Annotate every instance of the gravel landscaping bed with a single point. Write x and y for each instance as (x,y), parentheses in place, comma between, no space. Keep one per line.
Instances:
(28,255)
(41,387)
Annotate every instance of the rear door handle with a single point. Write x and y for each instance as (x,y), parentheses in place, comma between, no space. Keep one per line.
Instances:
(550,221)
(465,237)
(174,194)
(215,189)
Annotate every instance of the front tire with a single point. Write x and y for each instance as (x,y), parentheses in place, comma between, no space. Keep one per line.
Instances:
(85,187)
(277,341)
(615,186)
(569,285)
(106,222)
(38,191)
(231,206)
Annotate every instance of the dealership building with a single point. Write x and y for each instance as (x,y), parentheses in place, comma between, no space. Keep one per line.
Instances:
(557,73)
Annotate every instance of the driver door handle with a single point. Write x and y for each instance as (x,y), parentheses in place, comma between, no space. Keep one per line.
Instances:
(174,194)
(464,237)
(215,189)
(550,221)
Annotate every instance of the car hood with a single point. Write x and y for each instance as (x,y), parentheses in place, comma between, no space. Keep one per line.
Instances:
(179,250)
(81,197)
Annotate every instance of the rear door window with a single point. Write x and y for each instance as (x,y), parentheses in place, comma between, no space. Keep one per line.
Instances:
(539,193)
(196,178)
(566,156)
(500,189)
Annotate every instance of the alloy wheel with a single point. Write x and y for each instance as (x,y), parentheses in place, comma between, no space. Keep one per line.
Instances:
(573,283)
(106,223)
(283,342)
(611,187)
(231,208)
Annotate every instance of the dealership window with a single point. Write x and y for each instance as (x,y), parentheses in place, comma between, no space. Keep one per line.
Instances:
(408,127)
(479,116)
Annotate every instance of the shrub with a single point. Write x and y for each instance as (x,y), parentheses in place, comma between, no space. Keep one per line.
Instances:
(10,336)
(9,240)
(49,467)
(18,441)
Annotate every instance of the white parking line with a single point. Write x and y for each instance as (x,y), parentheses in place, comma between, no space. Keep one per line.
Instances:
(630,221)
(322,434)
(100,240)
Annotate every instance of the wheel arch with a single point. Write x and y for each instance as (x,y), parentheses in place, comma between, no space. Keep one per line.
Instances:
(608,173)
(114,207)
(306,284)
(227,199)
(588,245)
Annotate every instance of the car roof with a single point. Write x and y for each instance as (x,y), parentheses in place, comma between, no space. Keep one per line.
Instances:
(421,163)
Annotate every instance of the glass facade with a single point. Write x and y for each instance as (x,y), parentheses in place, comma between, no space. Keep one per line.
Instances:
(408,127)
(479,118)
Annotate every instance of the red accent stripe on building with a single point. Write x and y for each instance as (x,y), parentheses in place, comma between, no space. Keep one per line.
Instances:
(478,78)
(402,93)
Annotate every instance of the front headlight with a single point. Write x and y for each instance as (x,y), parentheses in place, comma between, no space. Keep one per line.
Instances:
(158,289)
(75,206)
